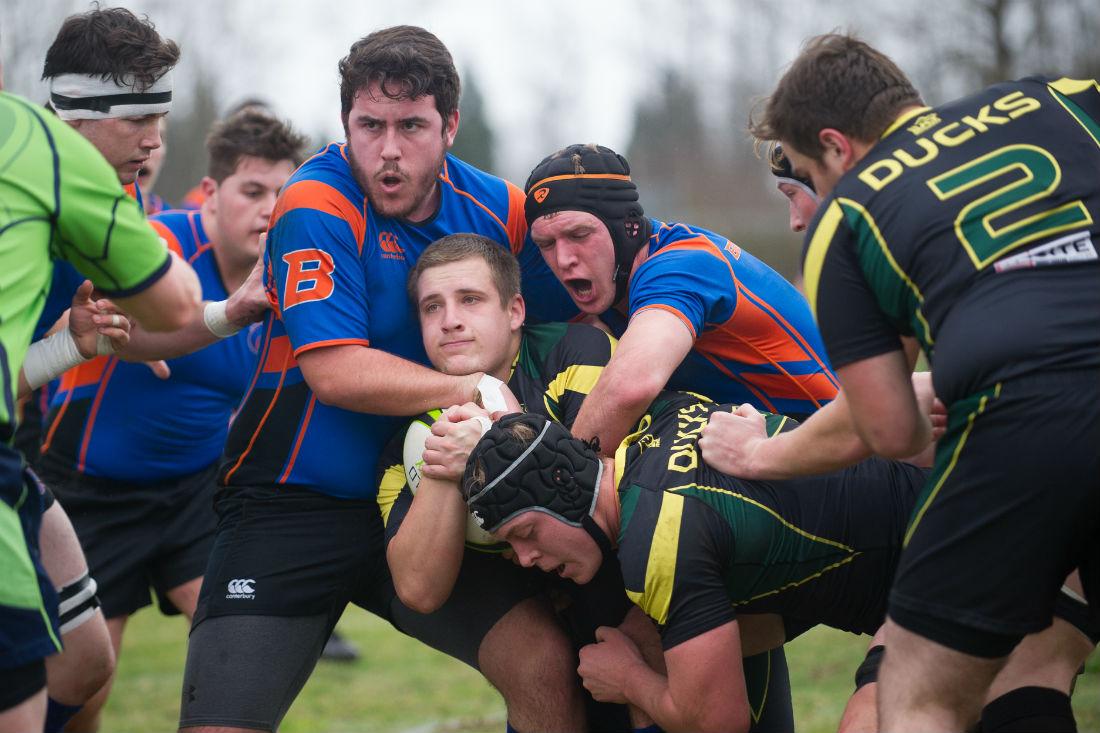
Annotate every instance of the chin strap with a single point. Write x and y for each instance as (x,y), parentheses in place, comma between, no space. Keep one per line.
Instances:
(597,534)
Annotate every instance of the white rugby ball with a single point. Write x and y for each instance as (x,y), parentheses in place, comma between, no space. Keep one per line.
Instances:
(413,457)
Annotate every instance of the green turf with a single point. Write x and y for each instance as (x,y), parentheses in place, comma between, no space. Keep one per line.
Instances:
(401,686)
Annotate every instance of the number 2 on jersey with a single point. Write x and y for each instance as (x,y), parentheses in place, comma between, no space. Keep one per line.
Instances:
(1033,174)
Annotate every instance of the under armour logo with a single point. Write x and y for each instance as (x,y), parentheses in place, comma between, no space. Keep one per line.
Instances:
(240,586)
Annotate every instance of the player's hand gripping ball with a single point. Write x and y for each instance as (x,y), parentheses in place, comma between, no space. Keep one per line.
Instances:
(413,457)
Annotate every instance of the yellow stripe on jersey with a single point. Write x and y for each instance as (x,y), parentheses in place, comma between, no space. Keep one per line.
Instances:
(580,378)
(660,572)
(819,247)
(902,119)
(393,480)
(1069,87)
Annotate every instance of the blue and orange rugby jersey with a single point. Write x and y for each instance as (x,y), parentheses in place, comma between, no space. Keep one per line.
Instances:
(336,274)
(755,338)
(116,419)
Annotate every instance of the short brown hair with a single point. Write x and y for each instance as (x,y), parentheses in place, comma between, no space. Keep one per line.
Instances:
(112,43)
(503,267)
(250,132)
(837,81)
(407,62)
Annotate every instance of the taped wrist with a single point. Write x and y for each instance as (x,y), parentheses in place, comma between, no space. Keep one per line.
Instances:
(868,669)
(213,315)
(490,395)
(51,357)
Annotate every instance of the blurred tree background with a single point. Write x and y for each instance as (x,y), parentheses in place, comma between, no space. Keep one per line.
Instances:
(693,72)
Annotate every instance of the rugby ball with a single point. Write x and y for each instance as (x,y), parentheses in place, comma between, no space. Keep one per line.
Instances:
(413,457)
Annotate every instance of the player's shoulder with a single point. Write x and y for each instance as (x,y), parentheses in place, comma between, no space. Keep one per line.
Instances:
(473,186)
(327,169)
(179,229)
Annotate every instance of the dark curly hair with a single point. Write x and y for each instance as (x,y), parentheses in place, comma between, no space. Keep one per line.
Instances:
(254,133)
(112,43)
(407,62)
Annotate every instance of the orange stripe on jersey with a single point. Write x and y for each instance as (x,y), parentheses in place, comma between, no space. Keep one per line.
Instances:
(673,311)
(767,403)
(131,190)
(168,236)
(331,342)
(321,197)
(80,375)
(90,425)
(278,355)
(298,441)
(445,176)
(287,362)
(807,350)
(517,221)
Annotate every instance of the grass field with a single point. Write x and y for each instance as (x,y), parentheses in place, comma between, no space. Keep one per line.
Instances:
(404,687)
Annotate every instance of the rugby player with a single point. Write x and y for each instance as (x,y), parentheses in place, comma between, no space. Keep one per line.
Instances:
(724,567)
(132,457)
(1028,691)
(300,532)
(109,74)
(61,199)
(466,290)
(692,310)
(959,228)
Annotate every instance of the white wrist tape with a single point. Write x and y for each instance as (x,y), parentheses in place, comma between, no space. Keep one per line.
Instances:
(489,394)
(213,315)
(51,357)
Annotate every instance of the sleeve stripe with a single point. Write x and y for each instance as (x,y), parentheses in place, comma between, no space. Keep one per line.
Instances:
(321,197)
(330,342)
(669,309)
(580,378)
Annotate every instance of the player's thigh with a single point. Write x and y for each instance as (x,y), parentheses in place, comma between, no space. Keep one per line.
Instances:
(1008,511)
(486,590)
(244,671)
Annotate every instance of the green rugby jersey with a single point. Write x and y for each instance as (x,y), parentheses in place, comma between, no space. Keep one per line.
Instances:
(972,227)
(556,366)
(59,199)
(697,547)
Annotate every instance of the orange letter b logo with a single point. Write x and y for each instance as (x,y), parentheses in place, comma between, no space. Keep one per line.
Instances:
(309,277)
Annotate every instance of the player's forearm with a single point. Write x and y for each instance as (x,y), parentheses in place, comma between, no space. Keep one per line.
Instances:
(426,553)
(612,409)
(149,346)
(826,441)
(170,302)
(363,379)
(650,692)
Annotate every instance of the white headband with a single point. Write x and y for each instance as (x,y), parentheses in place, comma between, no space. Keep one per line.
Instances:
(795,182)
(90,97)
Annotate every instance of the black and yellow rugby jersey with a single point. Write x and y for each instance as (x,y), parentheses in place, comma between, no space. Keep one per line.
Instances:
(557,365)
(698,547)
(971,226)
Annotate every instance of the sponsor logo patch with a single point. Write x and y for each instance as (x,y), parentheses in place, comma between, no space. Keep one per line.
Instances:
(1068,250)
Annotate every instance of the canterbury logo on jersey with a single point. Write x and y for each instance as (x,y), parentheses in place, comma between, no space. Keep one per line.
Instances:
(391,249)
(308,276)
(241,588)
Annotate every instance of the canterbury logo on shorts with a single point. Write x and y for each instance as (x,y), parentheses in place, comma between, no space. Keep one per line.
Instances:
(241,588)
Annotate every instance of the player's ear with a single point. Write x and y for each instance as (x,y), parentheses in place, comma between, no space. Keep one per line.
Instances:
(450,128)
(209,188)
(517,311)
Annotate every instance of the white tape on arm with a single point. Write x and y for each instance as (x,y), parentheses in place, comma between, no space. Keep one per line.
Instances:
(51,357)
(213,315)
(490,395)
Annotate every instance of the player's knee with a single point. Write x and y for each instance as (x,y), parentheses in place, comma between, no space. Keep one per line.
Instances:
(547,661)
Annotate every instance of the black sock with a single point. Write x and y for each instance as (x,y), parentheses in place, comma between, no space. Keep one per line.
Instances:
(1029,710)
